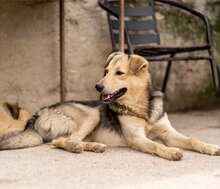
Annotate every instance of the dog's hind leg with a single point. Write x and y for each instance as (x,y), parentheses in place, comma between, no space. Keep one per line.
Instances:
(170,137)
(75,142)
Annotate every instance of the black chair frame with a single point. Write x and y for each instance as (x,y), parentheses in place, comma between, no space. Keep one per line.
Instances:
(160,53)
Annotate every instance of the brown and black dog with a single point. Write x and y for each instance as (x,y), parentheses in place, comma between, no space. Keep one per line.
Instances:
(130,113)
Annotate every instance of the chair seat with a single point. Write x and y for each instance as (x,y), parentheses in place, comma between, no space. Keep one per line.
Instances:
(166,50)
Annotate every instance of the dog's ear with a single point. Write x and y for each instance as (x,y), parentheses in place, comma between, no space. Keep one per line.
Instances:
(13,108)
(110,57)
(137,63)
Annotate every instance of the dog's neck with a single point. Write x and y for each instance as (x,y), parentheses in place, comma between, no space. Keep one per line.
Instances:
(129,110)
(135,107)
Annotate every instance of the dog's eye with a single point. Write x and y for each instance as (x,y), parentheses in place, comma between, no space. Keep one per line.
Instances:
(119,73)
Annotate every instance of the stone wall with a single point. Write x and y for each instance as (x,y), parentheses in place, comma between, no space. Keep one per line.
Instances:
(87,46)
(190,83)
(29,55)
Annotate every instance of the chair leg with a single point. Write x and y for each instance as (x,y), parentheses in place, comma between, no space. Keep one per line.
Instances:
(218,90)
(218,71)
(215,75)
(167,73)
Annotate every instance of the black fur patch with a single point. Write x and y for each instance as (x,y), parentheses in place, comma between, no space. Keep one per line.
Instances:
(155,96)
(30,123)
(109,119)
(92,103)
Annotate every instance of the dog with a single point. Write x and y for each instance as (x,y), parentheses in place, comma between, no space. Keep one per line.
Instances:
(130,113)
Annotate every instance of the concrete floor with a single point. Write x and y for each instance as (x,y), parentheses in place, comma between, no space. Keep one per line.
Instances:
(48,167)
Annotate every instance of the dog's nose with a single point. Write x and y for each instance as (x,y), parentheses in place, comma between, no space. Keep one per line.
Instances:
(99,87)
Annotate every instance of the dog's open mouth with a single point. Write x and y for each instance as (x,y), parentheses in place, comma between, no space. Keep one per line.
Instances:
(109,97)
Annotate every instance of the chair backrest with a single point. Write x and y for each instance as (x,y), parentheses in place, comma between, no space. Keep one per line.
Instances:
(140,24)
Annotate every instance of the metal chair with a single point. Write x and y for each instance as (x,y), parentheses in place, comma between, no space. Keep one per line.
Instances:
(141,40)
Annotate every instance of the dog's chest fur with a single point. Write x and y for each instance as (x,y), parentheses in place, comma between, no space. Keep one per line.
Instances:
(151,109)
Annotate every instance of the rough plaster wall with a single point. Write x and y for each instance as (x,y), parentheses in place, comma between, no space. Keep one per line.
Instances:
(29,53)
(87,46)
(29,49)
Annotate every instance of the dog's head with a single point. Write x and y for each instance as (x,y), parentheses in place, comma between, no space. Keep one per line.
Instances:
(125,77)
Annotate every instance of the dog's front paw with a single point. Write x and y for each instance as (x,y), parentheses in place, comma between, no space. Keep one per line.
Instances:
(76,147)
(174,154)
(213,150)
(68,145)
(99,148)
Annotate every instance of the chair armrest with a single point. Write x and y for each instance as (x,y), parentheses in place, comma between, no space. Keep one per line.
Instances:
(181,6)
(194,12)
(215,68)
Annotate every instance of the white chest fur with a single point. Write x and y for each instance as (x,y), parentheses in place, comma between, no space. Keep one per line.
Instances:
(108,137)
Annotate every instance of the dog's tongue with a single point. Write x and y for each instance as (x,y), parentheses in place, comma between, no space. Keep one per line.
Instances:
(107,97)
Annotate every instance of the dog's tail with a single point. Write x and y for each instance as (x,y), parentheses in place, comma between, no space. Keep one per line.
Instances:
(28,138)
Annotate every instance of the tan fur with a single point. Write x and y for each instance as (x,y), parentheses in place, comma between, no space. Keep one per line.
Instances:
(136,63)
(136,130)
(84,121)
(112,83)
(8,125)
(74,126)
(109,138)
(12,134)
